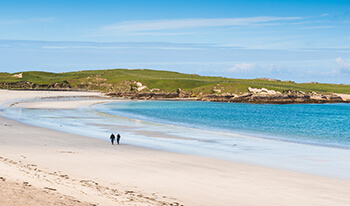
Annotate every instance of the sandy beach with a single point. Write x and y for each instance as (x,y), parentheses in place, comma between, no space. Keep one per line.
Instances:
(40,166)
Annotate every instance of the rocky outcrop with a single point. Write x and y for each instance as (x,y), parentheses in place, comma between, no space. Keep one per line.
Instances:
(255,95)
(30,85)
(262,91)
(20,75)
(149,95)
(345,97)
(140,87)
(244,98)
(276,99)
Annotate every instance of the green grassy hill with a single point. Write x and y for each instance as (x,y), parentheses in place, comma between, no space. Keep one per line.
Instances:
(125,80)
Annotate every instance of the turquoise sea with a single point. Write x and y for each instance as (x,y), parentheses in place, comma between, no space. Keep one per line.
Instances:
(311,138)
(320,124)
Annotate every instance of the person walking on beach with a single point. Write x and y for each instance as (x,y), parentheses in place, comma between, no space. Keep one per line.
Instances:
(112,138)
(118,138)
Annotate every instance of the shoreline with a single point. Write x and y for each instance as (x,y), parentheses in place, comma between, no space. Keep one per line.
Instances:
(291,97)
(243,134)
(144,175)
(237,147)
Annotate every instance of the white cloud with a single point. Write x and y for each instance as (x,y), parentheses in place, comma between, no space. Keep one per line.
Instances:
(170,24)
(341,63)
(275,68)
(344,67)
(325,14)
(242,68)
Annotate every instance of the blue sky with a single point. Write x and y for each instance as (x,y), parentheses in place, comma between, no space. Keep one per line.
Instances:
(298,40)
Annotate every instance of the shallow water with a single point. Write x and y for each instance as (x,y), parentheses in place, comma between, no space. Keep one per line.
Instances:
(278,136)
(320,124)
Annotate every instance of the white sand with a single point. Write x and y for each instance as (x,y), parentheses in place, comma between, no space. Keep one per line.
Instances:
(71,167)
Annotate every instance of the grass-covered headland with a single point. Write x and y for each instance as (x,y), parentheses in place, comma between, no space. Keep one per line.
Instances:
(127,81)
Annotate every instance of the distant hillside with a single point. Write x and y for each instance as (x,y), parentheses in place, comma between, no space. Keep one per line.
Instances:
(144,80)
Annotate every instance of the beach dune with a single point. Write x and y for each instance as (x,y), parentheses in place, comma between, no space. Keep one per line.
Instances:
(47,167)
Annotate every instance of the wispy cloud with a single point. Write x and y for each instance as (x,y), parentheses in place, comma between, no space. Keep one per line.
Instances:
(333,49)
(119,47)
(318,27)
(275,68)
(27,21)
(161,33)
(341,63)
(309,22)
(344,66)
(76,45)
(173,24)
(242,68)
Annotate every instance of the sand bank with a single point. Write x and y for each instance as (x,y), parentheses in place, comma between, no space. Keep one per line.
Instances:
(70,167)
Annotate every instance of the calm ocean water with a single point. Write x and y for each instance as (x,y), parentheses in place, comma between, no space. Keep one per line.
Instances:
(311,138)
(319,124)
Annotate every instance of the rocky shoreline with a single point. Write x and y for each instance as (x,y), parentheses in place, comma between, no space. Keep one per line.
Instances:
(254,95)
(289,98)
